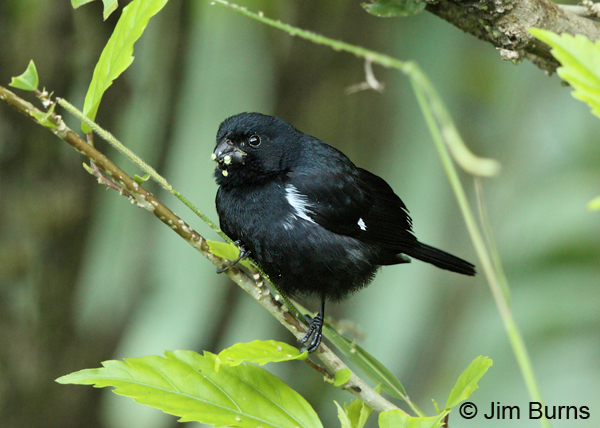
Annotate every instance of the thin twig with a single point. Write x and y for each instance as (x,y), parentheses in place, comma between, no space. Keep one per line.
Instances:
(320,369)
(589,9)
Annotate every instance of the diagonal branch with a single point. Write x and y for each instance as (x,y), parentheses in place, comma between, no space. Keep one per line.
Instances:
(252,285)
(504,24)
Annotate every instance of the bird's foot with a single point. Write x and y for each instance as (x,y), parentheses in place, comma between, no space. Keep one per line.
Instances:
(244,254)
(314,333)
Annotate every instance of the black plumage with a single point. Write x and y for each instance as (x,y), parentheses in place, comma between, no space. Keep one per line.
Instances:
(314,222)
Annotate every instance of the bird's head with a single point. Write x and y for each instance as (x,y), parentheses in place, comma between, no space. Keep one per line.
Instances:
(252,147)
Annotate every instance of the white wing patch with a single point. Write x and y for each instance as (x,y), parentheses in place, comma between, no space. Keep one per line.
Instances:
(361,224)
(299,202)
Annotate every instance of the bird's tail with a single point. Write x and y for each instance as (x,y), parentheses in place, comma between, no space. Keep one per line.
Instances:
(441,259)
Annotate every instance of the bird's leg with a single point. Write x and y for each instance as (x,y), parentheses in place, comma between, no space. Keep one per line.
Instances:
(243,255)
(315,330)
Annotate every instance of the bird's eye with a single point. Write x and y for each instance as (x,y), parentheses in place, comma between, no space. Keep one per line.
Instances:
(254,140)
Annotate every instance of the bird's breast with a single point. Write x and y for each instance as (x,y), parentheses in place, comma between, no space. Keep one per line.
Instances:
(254,213)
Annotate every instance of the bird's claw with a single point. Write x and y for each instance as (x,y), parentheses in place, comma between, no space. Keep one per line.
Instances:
(243,255)
(314,333)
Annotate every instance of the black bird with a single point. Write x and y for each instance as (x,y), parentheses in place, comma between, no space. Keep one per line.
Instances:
(313,221)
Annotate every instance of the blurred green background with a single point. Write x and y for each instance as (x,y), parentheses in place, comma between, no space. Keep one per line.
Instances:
(85,276)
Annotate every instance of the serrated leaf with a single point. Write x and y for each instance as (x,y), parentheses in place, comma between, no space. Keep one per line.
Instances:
(226,251)
(580,64)
(594,204)
(398,419)
(393,8)
(259,352)
(184,384)
(341,377)
(366,363)
(117,54)
(358,413)
(467,381)
(28,81)
(343,416)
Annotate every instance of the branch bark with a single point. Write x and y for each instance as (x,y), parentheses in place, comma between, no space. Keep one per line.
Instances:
(504,24)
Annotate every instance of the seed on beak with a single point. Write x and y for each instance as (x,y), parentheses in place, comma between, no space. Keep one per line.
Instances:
(227,160)
(213,157)
(225,173)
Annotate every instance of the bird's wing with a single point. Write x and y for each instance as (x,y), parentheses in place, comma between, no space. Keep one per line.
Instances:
(331,198)
(387,221)
(354,203)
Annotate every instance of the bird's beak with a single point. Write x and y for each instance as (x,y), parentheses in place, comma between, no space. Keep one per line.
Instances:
(226,153)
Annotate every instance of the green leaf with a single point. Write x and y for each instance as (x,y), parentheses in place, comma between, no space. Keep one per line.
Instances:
(358,413)
(89,169)
(467,381)
(142,179)
(398,419)
(109,7)
(355,415)
(28,81)
(226,251)
(594,204)
(580,60)
(117,54)
(366,363)
(341,377)
(393,8)
(343,416)
(78,3)
(44,118)
(185,384)
(259,352)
